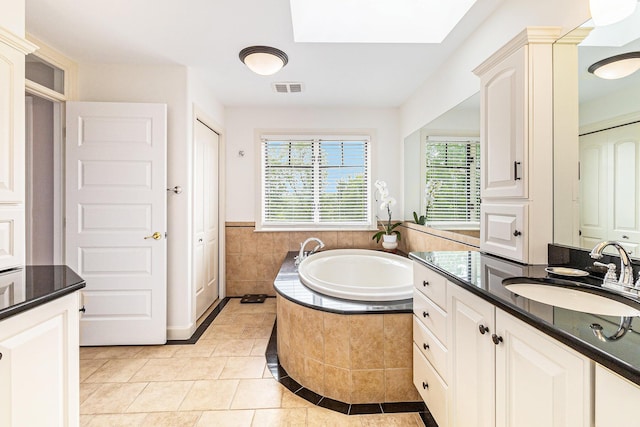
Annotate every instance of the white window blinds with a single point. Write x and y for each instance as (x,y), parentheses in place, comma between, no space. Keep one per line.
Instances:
(323,182)
(455,165)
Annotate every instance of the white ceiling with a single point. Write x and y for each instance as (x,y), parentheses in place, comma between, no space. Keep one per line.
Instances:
(207,35)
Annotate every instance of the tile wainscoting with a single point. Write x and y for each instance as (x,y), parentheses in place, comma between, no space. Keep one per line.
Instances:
(254,258)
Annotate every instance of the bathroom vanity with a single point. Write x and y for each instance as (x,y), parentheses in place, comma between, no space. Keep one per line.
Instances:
(486,356)
(39,346)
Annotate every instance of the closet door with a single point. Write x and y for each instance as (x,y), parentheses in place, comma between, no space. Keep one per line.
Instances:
(593,189)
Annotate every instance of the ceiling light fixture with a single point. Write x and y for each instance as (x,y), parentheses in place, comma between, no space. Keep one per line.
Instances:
(616,67)
(605,12)
(263,60)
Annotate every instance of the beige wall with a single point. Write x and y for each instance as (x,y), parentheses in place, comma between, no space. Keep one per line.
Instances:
(254,258)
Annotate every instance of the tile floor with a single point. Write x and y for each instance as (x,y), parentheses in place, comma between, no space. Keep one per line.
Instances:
(222,380)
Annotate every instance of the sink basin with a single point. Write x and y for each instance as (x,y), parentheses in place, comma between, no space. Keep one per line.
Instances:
(573,296)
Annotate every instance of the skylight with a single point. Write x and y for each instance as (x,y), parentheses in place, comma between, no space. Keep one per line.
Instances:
(376,21)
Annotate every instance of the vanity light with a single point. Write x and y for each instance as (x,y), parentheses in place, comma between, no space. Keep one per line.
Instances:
(616,67)
(263,60)
(605,12)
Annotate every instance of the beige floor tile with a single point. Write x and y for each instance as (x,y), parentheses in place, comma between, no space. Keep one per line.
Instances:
(257,331)
(210,395)
(89,366)
(256,394)
(85,420)
(161,396)
(117,420)
(172,419)
(226,419)
(250,319)
(321,417)
(234,347)
(280,417)
(116,371)
(233,330)
(389,420)
(111,398)
(290,400)
(157,351)
(118,352)
(201,368)
(259,347)
(87,389)
(203,348)
(158,370)
(244,367)
(89,352)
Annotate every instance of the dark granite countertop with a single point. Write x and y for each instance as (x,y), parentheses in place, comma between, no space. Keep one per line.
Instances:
(288,285)
(482,275)
(25,288)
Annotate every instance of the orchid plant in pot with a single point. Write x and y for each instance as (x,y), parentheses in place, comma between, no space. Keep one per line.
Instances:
(389,235)
(429,197)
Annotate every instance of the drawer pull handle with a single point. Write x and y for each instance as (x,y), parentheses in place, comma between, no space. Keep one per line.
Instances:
(425,314)
(0,356)
(425,385)
(496,339)
(517,233)
(425,283)
(425,346)
(82,310)
(483,329)
(515,171)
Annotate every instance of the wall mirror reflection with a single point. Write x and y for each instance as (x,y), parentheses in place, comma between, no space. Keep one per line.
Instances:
(442,171)
(607,197)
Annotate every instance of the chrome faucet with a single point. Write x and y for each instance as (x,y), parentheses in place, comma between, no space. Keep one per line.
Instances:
(302,255)
(626,270)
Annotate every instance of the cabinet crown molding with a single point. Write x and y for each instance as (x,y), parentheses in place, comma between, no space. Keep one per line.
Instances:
(16,42)
(530,35)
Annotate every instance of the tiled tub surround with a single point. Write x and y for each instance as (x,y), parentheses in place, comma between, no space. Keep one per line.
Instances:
(254,258)
(333,348)
(474,271)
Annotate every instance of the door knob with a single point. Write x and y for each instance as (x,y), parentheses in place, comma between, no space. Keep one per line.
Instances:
(154,236)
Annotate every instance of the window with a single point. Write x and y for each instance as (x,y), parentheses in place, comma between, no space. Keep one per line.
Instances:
(454,163)
(315,182)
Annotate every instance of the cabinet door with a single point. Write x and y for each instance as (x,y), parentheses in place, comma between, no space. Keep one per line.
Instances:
(39,366)
(539,381)
(503,128)
(11,236)
(616,400)
(504,230)
(12,127)
(472,353)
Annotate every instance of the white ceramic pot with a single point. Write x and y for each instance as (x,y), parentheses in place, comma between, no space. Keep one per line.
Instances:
(389,241)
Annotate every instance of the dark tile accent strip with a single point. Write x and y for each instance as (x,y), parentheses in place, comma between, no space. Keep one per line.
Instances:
(280,374)
(203,326)
(428,420)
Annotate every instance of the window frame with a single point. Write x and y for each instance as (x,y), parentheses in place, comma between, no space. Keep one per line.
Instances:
(449,225)
(261,135)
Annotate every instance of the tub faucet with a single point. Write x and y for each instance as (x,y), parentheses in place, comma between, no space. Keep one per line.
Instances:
(302,255)
(626,270)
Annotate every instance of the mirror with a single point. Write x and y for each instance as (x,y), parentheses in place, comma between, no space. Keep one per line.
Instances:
(605,200)
(460,128)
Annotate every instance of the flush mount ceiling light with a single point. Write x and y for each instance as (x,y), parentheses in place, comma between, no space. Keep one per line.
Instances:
(376,21)
(605,12)
(263,60)
(617,67)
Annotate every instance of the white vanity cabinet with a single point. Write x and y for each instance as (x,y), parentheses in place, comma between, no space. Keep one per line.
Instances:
(430,357)
(39,365)
(516,115)
(506,373)
(616,400)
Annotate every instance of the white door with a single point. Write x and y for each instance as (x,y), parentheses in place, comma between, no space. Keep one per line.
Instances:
(116,219)
(205,217)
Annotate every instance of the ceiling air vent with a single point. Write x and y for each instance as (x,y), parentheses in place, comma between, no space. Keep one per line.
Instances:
(287,87)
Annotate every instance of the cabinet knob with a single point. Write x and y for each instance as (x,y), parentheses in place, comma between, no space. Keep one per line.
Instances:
(82,310)
(0,356)
(517,233)
(425,283)
(496,339)
(425,346)
(425,385)
(425,314)
(483,329)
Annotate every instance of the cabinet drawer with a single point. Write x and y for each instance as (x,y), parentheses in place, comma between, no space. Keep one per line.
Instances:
(430,315)
(504,230)
(430,283)
(431,387)
(431,348)
(12,244)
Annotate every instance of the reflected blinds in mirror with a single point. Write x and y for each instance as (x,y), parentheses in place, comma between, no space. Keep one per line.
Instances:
(453,164)
(318,181)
